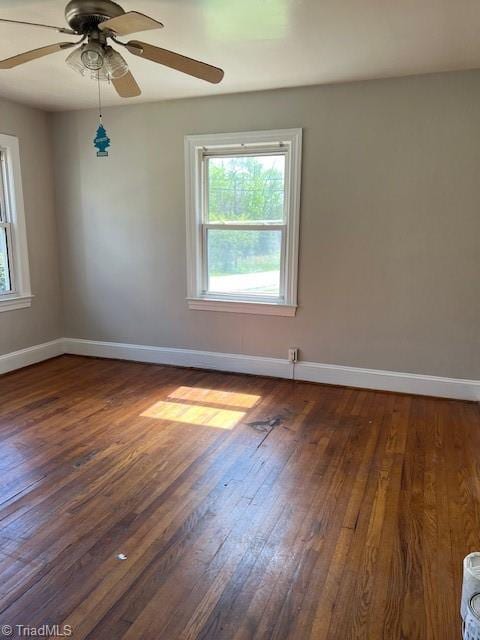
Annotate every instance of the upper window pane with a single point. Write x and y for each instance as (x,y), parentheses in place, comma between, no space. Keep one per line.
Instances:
(248,189)
(3,212)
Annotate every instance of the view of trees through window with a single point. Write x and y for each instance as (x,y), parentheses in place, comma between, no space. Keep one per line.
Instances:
(4,275)
(242,191)
(4,270)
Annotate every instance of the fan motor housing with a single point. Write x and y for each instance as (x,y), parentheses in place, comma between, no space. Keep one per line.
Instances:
(83,16)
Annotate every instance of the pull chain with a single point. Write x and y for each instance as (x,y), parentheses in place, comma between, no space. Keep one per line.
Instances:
(99,98)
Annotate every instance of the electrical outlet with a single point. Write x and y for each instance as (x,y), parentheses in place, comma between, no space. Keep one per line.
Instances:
(293,354)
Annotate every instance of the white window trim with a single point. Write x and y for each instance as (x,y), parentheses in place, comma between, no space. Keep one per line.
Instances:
(21,296)
(195,146)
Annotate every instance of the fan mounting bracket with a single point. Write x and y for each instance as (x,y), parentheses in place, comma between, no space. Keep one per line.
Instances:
(84,16)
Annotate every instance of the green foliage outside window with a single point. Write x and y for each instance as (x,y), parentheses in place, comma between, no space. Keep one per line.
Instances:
(3,276)
(240,190)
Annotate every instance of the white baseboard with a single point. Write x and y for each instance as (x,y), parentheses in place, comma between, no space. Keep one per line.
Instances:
(237,363)
(423,385)
(31,355)
(278,368)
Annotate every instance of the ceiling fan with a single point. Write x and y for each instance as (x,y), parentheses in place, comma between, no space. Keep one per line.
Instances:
(97,21)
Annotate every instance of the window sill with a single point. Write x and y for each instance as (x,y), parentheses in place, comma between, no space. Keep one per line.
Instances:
(10,303)
(254,308)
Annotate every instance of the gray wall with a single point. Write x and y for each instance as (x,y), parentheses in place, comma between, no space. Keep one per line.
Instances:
(43,321)
(390,224)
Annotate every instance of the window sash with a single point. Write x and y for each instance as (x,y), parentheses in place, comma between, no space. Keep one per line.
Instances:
(243,296)
(239,154)
(205,226)
(4,213)
(13,221)
(198,149)
(5,222)
(10,272)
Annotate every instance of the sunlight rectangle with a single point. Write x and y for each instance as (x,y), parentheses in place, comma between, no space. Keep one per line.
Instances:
(194,414)
(227,398)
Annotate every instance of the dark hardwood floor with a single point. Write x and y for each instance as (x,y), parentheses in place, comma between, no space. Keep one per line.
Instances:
(246,507)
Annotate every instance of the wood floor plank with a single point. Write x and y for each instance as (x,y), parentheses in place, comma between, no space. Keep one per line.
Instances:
(247,508)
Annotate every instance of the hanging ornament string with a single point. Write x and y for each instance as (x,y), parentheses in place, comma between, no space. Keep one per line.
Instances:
(101,141)
(99,98)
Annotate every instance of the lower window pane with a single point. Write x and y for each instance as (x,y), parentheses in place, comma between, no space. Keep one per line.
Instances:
(244,262)
(4,272)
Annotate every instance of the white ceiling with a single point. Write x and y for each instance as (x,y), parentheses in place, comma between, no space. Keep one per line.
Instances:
(260,44)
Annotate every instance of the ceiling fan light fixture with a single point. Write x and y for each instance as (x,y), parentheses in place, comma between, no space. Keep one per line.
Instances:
(74,60)
(115,65)
(96,22)
(93,56)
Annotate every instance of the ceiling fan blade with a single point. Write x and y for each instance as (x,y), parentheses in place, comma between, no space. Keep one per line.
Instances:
(127,86)
(176,61)
(36,24)
(130,22)
(27,56)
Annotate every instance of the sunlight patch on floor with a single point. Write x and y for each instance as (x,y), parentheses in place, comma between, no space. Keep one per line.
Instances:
(227,398)
(194,414)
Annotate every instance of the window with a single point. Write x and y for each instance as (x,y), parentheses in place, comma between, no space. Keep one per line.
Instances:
(14,272)
(243,193)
